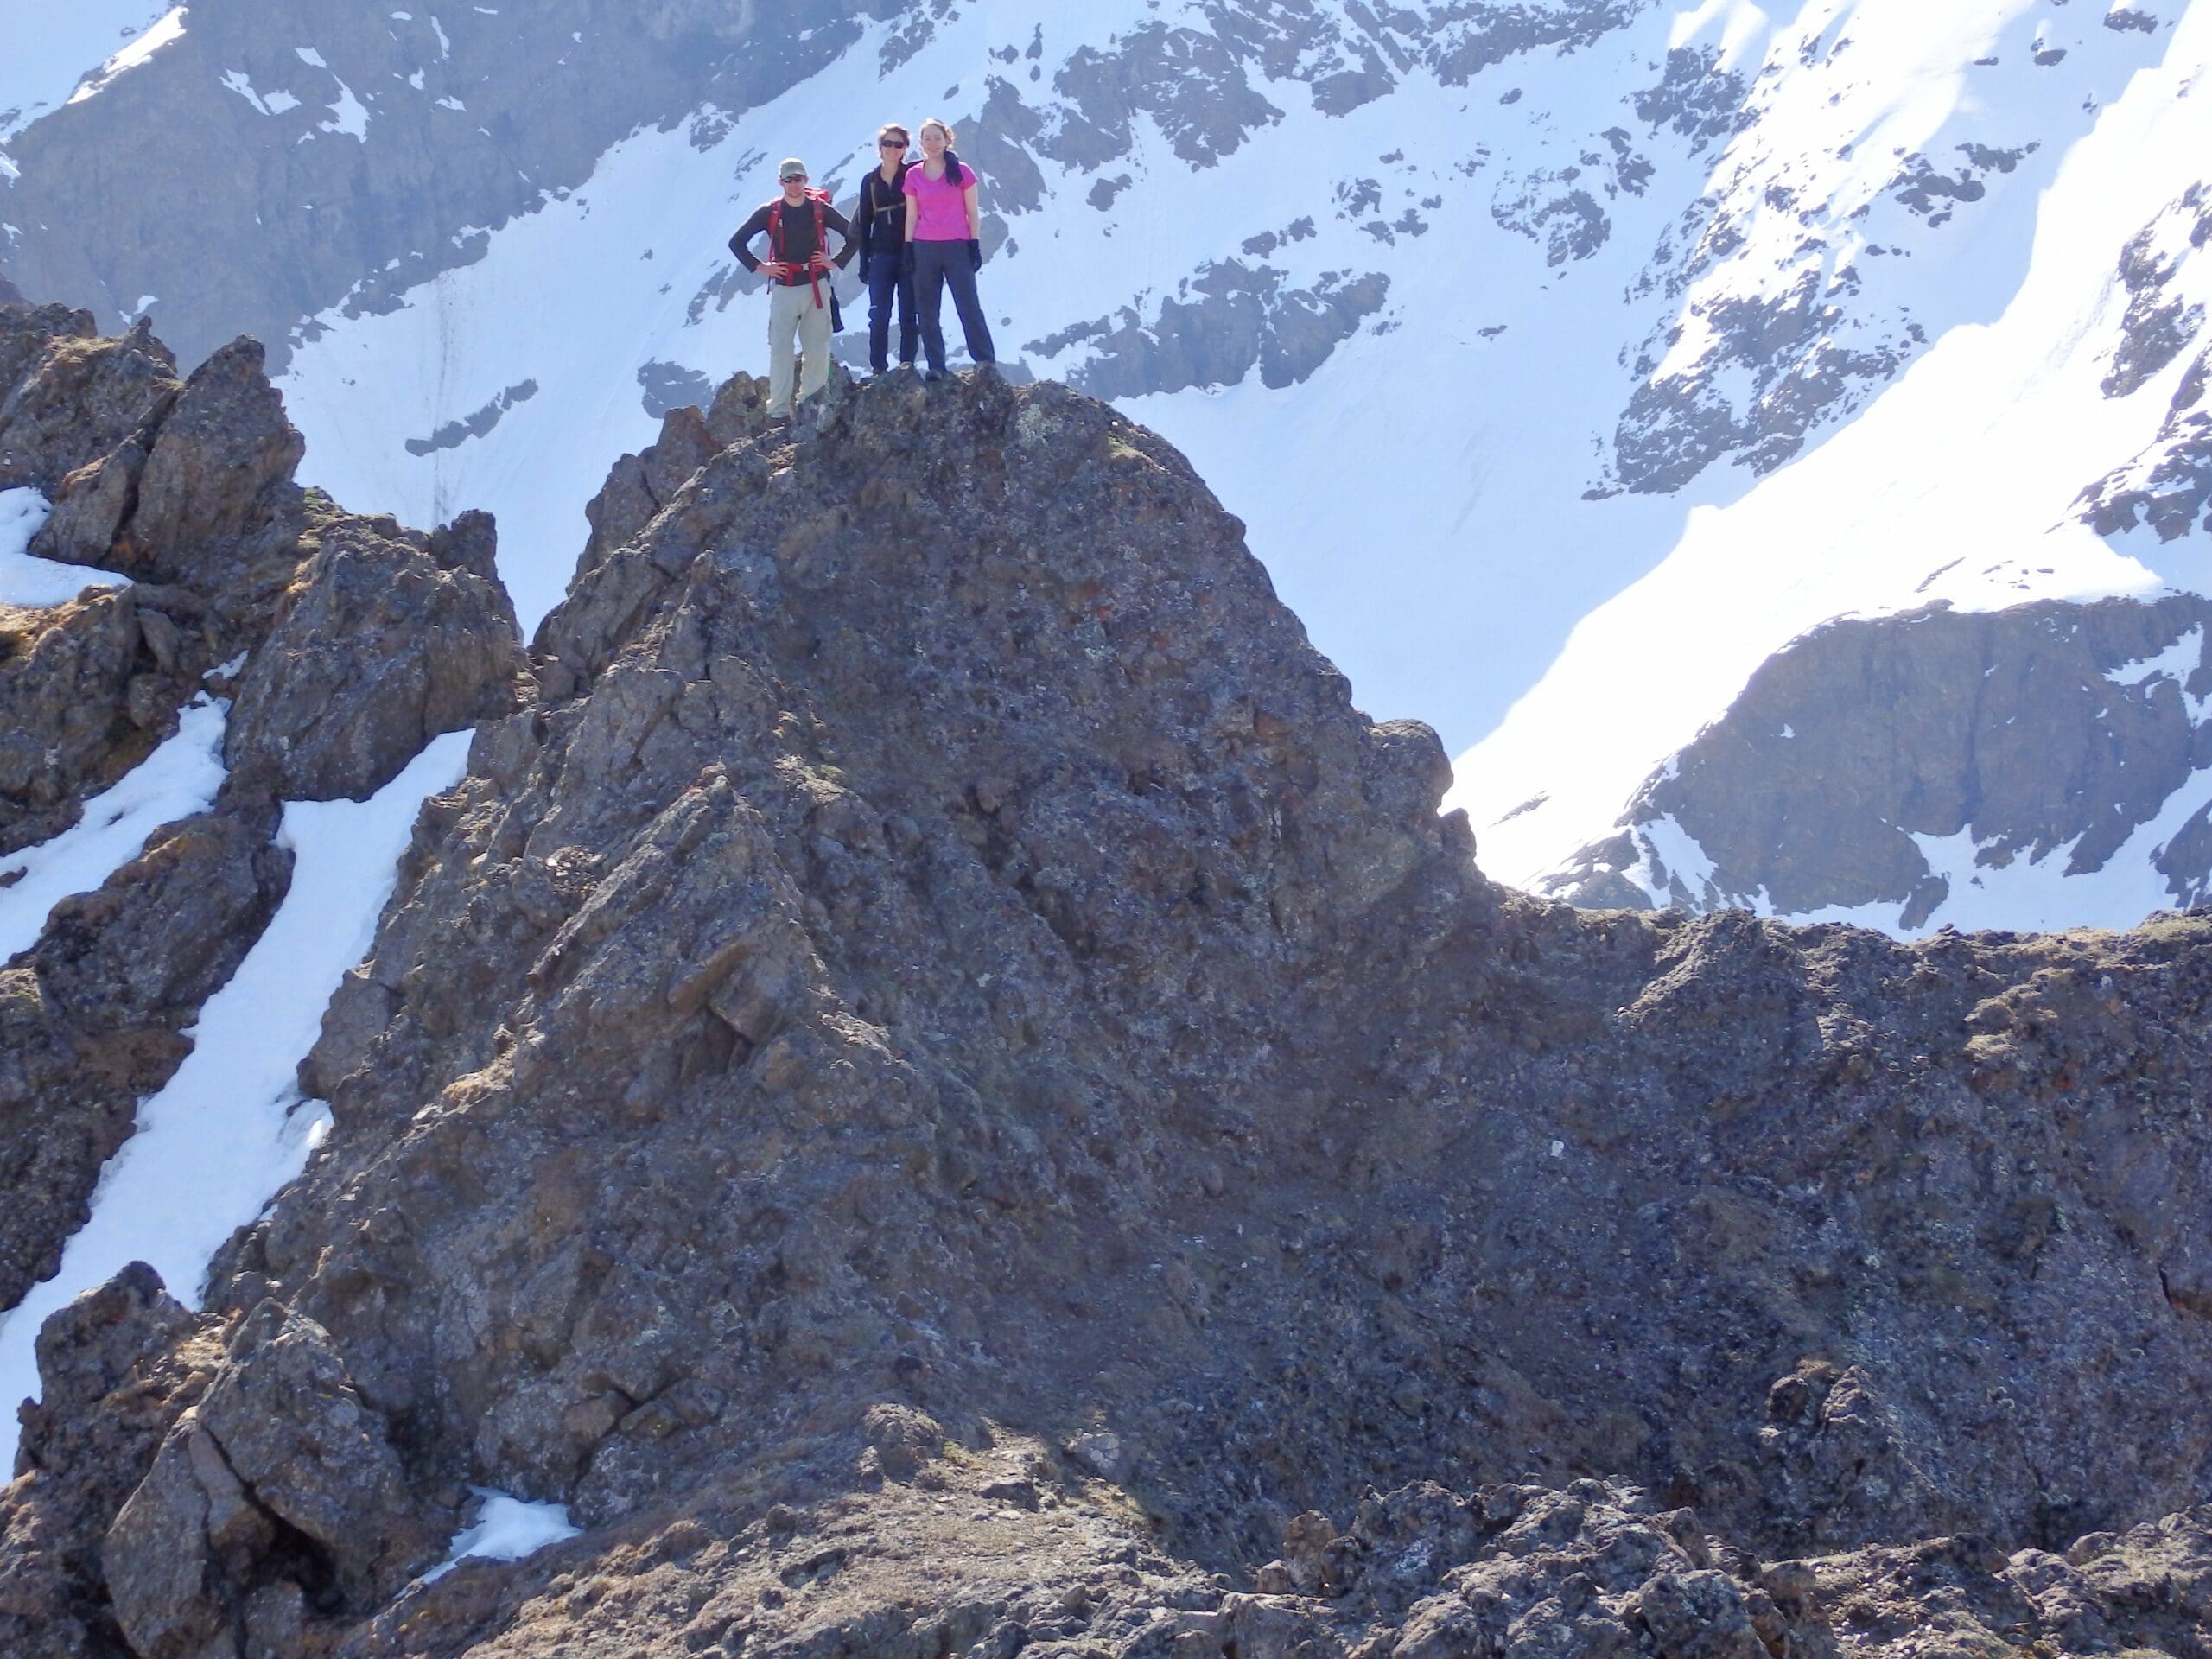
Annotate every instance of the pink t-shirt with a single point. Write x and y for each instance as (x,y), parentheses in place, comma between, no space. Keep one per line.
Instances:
(943,217)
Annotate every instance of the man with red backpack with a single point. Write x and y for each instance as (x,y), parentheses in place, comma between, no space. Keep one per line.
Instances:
(798,268)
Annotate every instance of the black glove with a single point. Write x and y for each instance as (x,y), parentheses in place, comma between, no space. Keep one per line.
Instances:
(974,256)
(906,260)
(862,268)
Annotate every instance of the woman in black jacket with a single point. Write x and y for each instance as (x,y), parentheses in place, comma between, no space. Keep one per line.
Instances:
(880,227)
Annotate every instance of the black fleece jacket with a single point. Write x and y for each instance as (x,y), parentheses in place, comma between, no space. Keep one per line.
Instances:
(879,221)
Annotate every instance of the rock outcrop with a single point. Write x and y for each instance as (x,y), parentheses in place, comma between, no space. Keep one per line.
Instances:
(1846,760)
(346,642)
(944,1089)
(431,646)
(92,1017)
(117,1366)
(165,482)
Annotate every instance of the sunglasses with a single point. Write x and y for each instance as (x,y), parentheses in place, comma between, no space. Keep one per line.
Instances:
(891,144)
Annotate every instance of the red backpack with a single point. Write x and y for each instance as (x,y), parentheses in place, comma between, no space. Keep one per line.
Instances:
(821,200)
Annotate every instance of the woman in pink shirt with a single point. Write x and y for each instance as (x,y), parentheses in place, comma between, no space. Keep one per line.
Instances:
(944,239)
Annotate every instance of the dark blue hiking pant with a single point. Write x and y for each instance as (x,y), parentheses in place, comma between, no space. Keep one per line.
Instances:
(885,283)
(937,266)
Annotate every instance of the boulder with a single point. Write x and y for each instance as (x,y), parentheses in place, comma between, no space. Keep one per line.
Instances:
(217,454)
(279,1471)
(430,645)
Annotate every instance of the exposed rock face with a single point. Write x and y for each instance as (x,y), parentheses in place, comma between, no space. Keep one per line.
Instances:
(638,487)
(116,1366)
(72,396)
(1847,753)
(1754,371)
(356,642)
(278,1467)
(938,1084)
(218,455)
(85,701)
(2161,323)
(1232,319)
(2169,486)
(169,482)
(190,489)
(430,645)
(93,1014)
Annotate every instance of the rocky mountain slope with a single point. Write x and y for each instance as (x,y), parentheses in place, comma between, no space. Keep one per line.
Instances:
(1531,339)
(1844,785)
(301,654)
(2021,767)
(941,1090)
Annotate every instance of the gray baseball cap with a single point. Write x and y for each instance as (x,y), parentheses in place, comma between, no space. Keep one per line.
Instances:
(793,168)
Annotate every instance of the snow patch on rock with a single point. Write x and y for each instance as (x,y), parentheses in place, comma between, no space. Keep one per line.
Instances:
(30,581)
(165,30)
(230,1129)
(178,779)
(506,1529)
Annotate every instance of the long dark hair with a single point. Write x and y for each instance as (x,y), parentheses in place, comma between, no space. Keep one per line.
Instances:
(952,155)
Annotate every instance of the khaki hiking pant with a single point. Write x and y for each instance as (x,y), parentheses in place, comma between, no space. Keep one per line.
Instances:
(793,309)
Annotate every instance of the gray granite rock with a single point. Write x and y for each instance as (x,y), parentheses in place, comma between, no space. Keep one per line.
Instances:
(71,397)
(278,1467)
(115,1367)
(215,459)
(387,638)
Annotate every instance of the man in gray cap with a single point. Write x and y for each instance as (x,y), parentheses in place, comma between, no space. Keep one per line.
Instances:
(798,266)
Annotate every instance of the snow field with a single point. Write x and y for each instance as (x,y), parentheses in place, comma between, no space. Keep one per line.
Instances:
(213,1147)
(1979,451)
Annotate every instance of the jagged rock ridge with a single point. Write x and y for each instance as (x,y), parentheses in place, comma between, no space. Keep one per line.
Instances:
(936,1032)
(341,643)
